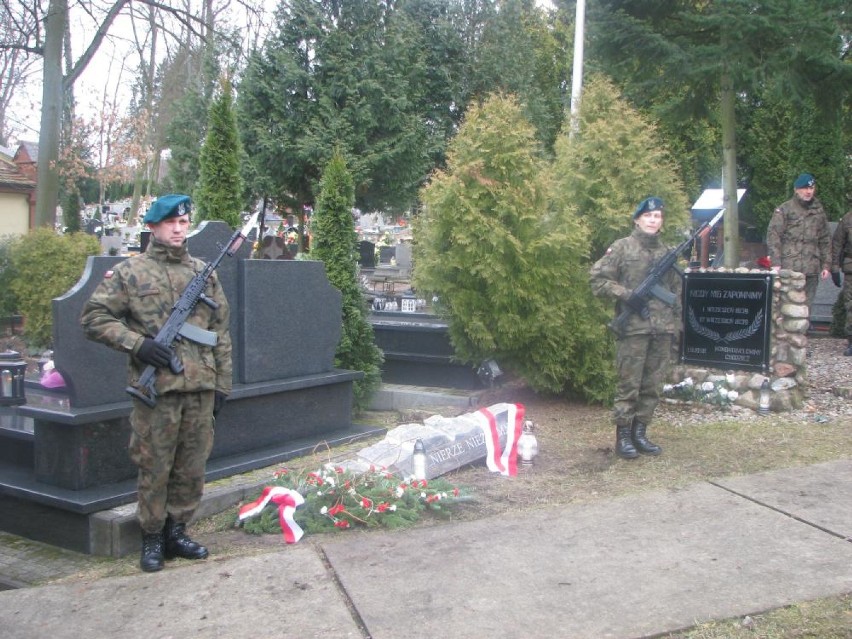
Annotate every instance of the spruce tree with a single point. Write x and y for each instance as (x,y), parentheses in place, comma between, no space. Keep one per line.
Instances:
(510,275)
(218,195)
(335,244)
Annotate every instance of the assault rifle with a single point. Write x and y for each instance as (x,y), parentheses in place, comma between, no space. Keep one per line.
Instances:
(176,326)
(650,286)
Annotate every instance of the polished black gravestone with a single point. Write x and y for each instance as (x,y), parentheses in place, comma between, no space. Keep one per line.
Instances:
(417,351)
(367,254)
(287,396)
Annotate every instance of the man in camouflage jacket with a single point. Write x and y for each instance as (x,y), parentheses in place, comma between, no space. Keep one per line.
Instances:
(798,236)
(644,348)
(841,260)
(171,441)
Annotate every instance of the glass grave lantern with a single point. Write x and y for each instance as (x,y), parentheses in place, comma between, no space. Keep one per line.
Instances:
(12,371)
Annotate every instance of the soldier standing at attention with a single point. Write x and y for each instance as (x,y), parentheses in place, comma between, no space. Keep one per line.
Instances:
(170,442)
(644,348)
(798,237)
(841,260)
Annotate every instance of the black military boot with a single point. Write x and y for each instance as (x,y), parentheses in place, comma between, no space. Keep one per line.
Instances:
(178,543)
(152,552)
(623,443)
(643,445)
(848,351)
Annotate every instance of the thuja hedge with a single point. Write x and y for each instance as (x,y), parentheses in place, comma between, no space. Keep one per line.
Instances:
(40,266)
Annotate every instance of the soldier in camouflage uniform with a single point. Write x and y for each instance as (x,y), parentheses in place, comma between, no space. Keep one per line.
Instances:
(841,260)
(170,442)
(798,237)
(644,348)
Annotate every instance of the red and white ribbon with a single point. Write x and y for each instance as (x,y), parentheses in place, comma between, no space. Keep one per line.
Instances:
(501,460)
(287,500)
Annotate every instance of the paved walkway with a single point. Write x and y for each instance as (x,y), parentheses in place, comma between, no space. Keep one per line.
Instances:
(622,568)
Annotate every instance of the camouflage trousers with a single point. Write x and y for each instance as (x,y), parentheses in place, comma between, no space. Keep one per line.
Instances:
(811,284)
(847,302)
(642,362)
(170,444)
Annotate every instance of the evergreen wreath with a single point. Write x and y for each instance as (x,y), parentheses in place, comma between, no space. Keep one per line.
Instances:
(337,499)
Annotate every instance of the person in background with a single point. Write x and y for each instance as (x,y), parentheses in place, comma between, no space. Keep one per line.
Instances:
(841,261)
(798,236)
(643,350)
(170,442)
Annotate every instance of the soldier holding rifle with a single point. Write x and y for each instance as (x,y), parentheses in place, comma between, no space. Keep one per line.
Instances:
(798,236)
(172,428)
(646,333)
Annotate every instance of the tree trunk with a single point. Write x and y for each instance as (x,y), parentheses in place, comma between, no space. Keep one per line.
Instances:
(47,187)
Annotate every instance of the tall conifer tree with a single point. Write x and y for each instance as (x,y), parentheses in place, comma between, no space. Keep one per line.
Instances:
(220,188)
(335,243)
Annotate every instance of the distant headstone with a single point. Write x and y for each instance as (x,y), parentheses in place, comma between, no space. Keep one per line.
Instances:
(367,254)
(386,253)
(94,227)
(403,256)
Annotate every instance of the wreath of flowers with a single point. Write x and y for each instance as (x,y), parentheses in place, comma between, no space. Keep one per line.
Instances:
(338,499)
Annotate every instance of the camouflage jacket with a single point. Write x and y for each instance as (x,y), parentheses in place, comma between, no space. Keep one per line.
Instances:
(136,298)
(841,245)
(798,238)
(623,267)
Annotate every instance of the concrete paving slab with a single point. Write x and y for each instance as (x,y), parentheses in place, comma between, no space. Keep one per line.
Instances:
(629,567)
(820,494)
(286,595)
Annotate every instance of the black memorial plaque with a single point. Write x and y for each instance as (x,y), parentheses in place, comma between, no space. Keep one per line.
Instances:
(727,320)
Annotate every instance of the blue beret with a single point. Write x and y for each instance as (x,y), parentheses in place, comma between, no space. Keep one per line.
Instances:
(648,204)
(168,206)
(803,181)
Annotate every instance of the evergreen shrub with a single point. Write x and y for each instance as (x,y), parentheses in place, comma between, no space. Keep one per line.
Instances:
(45,266)
(335,244)
(511,274)
(8,302)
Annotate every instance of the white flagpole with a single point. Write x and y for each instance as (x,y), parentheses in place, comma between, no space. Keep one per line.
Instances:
(577,74)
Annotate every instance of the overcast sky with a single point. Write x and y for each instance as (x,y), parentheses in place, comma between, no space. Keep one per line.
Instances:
(103,74)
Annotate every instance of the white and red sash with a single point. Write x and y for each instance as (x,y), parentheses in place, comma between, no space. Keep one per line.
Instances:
(287,500)
(503,461)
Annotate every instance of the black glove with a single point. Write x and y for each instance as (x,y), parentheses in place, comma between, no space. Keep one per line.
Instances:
(218,402)
(835,277)
(154,354)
